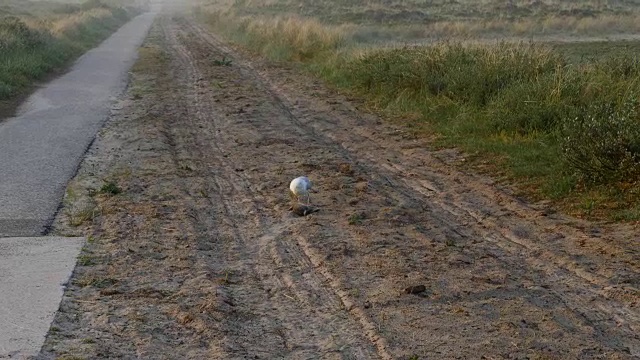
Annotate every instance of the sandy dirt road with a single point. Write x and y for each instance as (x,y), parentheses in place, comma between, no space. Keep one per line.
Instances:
(198,257)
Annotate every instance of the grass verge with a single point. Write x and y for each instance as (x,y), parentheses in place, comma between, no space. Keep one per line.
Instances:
(36,45)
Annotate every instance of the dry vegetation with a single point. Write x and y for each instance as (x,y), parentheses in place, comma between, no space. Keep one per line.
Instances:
(384,20)
(559,124)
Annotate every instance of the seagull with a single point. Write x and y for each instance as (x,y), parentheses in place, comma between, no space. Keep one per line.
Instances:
(300,186)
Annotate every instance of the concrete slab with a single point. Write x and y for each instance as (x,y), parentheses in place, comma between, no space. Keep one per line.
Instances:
(33,272)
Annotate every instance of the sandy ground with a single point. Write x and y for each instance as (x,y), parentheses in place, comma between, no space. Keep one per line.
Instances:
(199,258)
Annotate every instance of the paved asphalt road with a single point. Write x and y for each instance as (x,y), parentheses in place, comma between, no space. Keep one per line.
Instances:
(41,148)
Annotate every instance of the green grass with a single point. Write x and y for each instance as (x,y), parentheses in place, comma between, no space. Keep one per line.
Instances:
(36,43)
(558,130)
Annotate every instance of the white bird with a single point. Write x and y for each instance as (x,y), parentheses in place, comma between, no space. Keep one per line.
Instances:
(300,187)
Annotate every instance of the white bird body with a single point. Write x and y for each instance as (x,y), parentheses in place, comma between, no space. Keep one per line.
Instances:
(300,187)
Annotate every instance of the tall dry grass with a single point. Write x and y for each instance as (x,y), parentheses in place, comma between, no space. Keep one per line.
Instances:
(64,24)
(283,38)
(463,18)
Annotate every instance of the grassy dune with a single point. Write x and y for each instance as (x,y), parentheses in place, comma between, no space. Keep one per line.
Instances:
(38,38)
(555,121)
(402,20)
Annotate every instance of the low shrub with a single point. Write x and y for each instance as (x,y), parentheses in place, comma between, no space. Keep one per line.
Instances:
(602,145)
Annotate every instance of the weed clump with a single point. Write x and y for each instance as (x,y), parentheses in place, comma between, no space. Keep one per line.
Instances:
(110,188)
(356,218)
(222,62)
